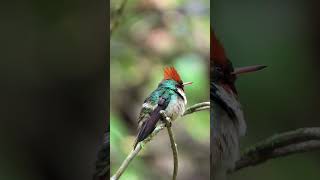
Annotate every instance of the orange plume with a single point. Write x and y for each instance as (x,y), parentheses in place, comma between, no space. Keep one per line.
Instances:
(217,52)
(171,73)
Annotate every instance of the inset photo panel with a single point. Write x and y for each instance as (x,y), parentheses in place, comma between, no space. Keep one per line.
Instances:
(159,90)
(264,90)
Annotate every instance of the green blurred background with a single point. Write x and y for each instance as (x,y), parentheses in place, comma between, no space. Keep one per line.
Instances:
(285,36)
(153,34)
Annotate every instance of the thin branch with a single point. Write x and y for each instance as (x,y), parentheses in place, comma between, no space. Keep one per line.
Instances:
(173,145)
(298,148)
(126,162)
(284,139)
(297,141)
(197,107)
(133,153)
(174,153)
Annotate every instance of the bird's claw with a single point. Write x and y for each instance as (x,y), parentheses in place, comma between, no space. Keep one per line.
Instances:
(163,113)
(165,118)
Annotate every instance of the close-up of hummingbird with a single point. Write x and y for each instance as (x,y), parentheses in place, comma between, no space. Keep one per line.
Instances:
(168,97)
(226,118)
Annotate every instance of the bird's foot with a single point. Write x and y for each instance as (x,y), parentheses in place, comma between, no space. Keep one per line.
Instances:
(165,118)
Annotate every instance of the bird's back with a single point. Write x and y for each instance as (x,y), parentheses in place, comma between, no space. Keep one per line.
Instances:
(163,98)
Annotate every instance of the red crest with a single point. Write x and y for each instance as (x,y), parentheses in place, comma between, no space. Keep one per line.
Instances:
(217,52)
(171,73)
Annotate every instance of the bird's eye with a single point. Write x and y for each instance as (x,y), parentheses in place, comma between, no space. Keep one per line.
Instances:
(180,86)
(218,73)
(219,69)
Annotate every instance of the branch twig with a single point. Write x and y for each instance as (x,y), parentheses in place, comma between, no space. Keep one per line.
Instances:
(197,107)
(133,153)
(173,145)
(297,141)
(174,152)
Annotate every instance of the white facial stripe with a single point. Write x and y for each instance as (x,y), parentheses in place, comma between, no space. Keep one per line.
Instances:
(181,92)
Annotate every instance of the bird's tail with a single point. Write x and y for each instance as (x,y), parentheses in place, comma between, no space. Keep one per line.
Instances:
(149,125)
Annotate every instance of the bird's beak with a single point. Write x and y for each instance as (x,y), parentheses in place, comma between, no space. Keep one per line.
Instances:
(187,83)
(248,69)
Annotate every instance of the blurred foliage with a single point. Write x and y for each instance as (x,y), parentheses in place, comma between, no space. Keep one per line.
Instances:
(152,34)
(284,96)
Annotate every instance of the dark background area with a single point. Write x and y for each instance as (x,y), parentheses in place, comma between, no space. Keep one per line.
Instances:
(54,83)
(285,36)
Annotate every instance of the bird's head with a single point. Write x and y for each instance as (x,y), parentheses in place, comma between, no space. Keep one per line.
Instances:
(223,72)
(171,79)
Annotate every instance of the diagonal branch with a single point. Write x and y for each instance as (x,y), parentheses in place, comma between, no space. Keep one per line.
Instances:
(135,152)
(297,141)
(197,107)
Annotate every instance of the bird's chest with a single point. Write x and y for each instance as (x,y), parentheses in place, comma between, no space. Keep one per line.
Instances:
(175,107)
(228,113)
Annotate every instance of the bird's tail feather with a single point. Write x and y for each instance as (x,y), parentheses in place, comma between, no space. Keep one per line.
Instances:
(148,126)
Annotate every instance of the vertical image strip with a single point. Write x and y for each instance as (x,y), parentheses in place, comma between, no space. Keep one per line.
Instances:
(159,90)
(261,118)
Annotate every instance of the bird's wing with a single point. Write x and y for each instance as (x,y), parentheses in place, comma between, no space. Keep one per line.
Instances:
(216,97)
(153,116)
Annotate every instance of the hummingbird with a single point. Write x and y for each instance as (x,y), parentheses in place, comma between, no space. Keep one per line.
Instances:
(227,121)
(168,97)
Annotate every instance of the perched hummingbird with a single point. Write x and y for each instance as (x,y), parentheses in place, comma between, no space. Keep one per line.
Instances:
(226,118)
(169,96)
